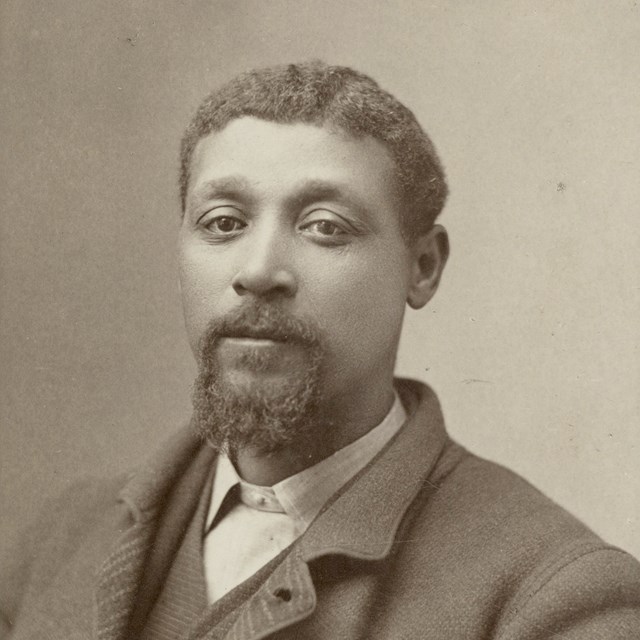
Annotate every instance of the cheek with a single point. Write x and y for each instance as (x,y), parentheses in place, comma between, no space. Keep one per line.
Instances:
(365,306)
(376,311)
(201,284)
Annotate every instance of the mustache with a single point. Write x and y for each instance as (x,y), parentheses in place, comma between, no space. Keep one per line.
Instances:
(260,321)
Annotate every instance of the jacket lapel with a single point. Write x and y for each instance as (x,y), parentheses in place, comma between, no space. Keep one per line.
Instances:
(118,582)
(143,499)
(286,597)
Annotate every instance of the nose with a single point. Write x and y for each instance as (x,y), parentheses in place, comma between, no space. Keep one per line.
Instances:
(266,269)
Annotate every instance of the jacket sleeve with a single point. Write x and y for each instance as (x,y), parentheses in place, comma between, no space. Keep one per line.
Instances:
(595,596)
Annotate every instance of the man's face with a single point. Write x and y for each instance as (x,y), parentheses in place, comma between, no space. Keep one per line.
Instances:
(302,220)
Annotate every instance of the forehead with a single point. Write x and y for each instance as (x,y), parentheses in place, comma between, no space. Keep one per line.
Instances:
(273,158)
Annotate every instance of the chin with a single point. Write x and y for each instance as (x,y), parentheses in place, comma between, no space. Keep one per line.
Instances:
(261,410)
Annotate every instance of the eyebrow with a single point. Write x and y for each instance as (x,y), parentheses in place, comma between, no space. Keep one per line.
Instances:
(227,188)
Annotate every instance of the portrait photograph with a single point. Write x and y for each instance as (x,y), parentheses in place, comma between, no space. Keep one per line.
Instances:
(320,320)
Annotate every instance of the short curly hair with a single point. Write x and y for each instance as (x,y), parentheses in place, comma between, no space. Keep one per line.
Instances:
(319,94)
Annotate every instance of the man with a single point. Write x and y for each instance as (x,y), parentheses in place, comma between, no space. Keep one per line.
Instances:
(313,496)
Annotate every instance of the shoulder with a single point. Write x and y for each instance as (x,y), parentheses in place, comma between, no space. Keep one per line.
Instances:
(79,508)
(490,500)
(500,512)
(506,544)
(44,545)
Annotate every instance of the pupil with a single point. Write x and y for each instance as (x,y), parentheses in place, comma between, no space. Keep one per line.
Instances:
(326,227)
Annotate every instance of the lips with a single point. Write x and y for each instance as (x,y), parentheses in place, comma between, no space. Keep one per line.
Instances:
(273,334)
(249,359)
(254,336)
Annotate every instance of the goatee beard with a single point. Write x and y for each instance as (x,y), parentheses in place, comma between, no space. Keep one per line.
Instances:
(265,418)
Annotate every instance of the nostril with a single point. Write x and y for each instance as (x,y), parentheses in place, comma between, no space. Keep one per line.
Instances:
(239,288)
(268,283)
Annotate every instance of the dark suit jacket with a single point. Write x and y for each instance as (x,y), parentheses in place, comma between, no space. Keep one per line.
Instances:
(428,541)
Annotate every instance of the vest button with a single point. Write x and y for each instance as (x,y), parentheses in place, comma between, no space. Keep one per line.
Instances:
(283,594)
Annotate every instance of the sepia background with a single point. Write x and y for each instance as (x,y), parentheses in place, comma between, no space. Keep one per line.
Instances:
(533,340)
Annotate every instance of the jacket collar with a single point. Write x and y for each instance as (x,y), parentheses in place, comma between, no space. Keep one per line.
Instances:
(146,489)
(362,519)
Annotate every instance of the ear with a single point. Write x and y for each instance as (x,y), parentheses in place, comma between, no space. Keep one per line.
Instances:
(429,254)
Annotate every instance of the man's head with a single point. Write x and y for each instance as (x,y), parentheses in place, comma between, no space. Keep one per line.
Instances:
(297,253)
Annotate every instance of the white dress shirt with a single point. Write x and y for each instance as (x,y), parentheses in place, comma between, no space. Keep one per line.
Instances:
(266,520)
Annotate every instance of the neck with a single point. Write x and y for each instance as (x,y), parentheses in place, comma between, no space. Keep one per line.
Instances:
(341,422)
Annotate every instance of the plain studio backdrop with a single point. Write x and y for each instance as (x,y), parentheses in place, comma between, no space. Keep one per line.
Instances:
(532,342)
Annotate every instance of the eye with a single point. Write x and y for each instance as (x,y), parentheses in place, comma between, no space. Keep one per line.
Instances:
(224,225)
(325,225)
(324,228)
(222,222)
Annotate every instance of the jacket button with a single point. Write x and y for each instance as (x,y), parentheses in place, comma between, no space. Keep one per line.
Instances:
(283,594)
